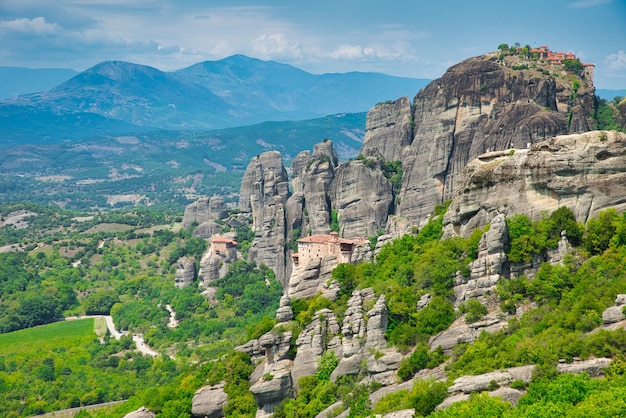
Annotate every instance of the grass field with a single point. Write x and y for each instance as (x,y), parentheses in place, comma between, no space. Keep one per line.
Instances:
(66,334)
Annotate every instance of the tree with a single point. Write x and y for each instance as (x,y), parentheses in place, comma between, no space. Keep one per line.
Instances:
(101,302)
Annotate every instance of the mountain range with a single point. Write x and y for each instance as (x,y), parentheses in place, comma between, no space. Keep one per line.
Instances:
(235,91)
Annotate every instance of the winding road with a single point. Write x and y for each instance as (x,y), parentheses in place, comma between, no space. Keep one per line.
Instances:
(137,338)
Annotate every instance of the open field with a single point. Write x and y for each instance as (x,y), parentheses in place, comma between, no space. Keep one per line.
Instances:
(47,336)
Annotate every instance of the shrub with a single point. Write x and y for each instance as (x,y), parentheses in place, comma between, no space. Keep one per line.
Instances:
(473,310)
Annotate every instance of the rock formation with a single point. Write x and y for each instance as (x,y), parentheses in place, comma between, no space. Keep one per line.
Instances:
(264,193)
(142,412)
(481,104)
(185,272)
(205,209)
(388,130)
(219,255)
(489,266)
(312,175)
(615,314)
(209,402)
(362,197)
(585,172)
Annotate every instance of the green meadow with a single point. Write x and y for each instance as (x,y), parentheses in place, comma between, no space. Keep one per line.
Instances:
(47,337)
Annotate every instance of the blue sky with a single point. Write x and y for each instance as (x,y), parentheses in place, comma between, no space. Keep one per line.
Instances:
(409,38)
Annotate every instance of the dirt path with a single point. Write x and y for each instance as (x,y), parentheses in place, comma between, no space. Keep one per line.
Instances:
(137,338)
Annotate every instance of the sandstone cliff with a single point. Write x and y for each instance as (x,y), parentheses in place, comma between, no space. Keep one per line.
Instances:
(204,210)
(585,172)
(264,193)
(481,104)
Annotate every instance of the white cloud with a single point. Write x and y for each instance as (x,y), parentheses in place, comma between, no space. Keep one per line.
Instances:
(276,46)
(616,61)
(396,51)
(36,26)
(588,3)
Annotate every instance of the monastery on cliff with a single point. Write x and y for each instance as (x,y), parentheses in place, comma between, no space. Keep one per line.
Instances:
(325,245)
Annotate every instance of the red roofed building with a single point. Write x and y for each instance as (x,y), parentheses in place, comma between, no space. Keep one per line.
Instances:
(325,245)
(224,246)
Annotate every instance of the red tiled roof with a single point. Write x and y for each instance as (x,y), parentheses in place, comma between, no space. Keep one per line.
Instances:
(222,240)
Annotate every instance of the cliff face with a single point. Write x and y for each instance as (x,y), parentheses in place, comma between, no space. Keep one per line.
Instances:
(264,192)
(388,130)
(362,197)
(585,172)
(481,104)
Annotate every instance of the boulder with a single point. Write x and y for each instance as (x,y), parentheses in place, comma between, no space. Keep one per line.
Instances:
(509,395)
(593,367)
(142,412)
(284,312)
(613,314)
(209,402)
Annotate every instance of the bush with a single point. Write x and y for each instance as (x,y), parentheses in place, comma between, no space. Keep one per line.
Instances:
(473,310)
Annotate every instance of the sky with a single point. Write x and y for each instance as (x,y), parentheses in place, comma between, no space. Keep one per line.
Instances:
(409,38)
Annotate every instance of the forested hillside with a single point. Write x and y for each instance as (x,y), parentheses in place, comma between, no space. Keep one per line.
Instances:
(115,263)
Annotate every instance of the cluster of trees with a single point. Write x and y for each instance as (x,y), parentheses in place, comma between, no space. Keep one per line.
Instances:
(610,115)
(407,269)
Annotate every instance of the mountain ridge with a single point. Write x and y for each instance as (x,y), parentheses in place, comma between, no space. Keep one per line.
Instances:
(235,91)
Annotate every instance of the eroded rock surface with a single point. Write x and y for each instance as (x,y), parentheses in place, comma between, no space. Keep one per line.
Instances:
(264,193)
(209,402)
(388,130)
(142,412)
(185,272)
(477,106)
(205,209)
(584,172)
(362,197)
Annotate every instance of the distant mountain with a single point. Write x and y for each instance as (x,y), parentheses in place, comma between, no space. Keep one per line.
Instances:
(610,94)
(235,91)
(20,80)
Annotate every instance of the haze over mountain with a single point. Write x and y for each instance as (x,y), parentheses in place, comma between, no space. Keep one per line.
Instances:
(20,80)
(235,91)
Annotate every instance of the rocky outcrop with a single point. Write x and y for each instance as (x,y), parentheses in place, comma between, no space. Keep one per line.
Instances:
(264,193)
(460,332)
(471,384)
(205,209)
(320,335)
(214,263)
(388,130)
(362,197)
(585,172)
(185,272)
(481,105)
(273,387)
(593,367)
(310,205)
(142,412)
(308,279)
(209,402)
(490,265)
(614,314)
